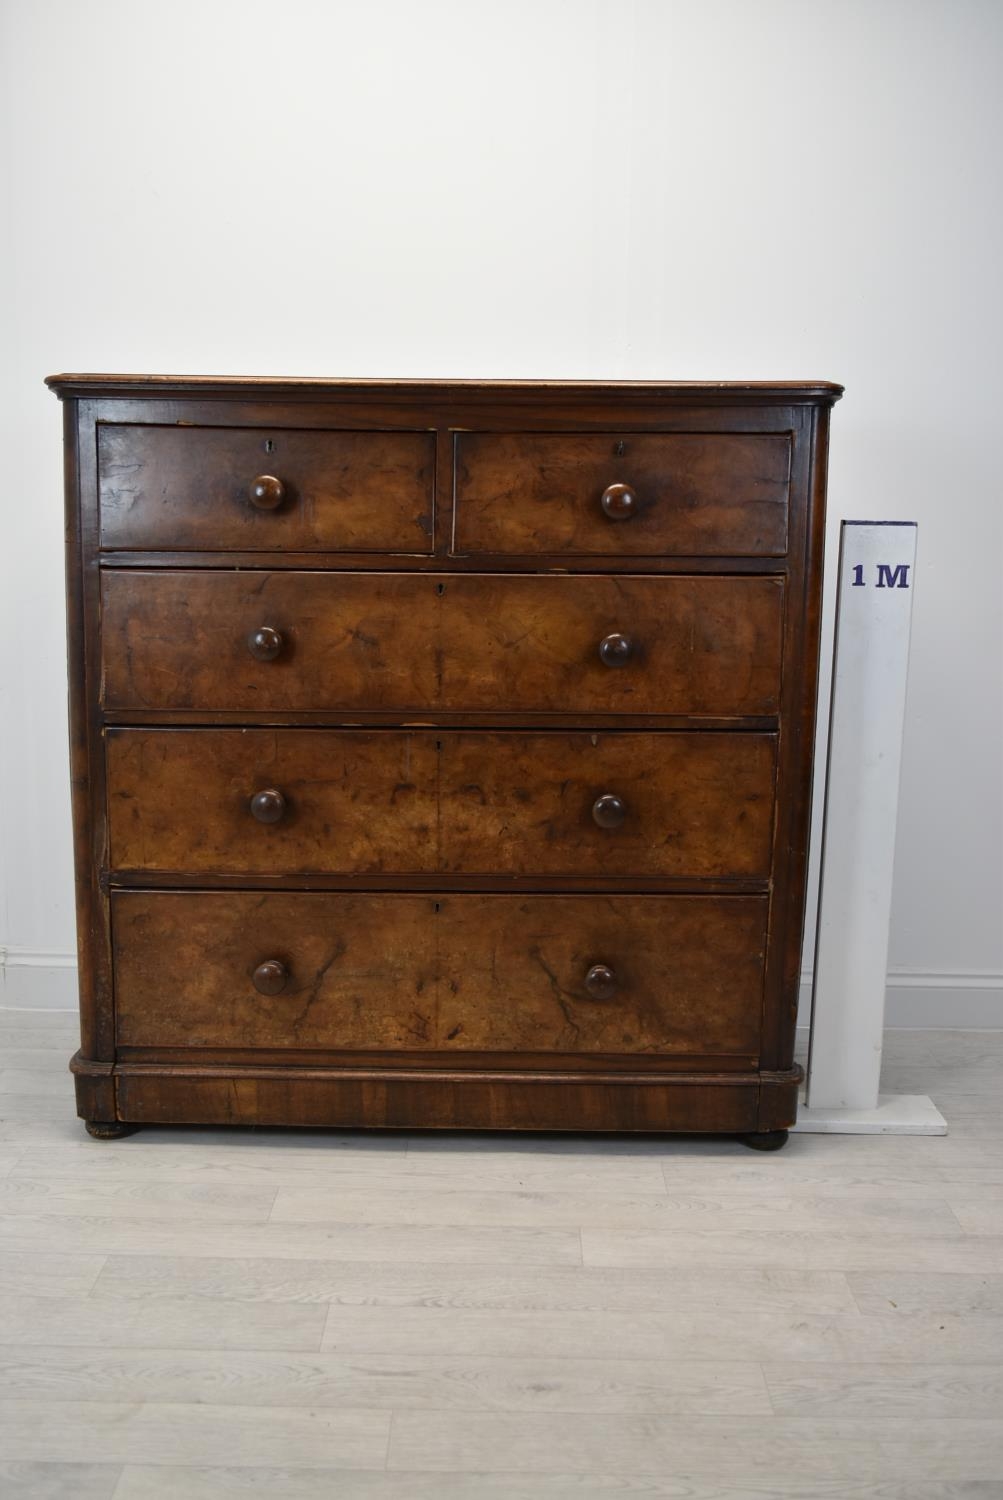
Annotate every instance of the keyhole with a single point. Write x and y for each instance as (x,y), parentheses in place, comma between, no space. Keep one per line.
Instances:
(269,445)
(621,448)
(440,589)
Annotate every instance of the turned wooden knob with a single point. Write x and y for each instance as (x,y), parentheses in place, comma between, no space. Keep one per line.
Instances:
(619,502)
(268,806)
(609,811)
(600,982)
(616,650)
(267,492)
(264,643)
(270,977)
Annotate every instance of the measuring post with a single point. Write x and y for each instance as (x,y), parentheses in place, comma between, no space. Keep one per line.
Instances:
(877,562)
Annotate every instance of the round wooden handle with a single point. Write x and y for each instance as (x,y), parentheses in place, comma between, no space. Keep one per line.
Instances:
(616,650)
(270,977)
(264,643)
(267,492)
(600,982)
(268,806)
(619,502)
(609,811)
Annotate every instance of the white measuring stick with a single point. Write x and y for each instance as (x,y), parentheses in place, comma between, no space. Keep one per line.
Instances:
(867,710)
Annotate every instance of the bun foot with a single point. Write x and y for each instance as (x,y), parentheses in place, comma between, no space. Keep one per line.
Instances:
(108,1130)
(767,1140)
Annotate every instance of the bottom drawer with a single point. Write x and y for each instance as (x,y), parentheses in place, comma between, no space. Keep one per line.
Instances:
(452,975)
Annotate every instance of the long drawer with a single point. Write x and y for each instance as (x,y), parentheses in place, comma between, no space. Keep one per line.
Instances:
(265,489)
(460,974)
(402,802)
(634,494)
(203,641)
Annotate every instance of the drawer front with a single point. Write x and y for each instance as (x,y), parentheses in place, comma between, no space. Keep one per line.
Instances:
(447,974)
(690,805)
(642,494)
(415,643)
(180,489)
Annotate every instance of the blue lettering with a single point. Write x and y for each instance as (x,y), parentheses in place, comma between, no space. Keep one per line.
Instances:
(893,578)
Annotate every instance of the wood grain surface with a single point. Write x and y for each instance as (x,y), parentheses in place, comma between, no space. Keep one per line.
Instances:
(698,805)
(174,488)
(457,973)
(702,495)
(179,640)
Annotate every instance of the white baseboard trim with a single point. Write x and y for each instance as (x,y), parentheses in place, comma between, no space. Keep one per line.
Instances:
(923,1000)
(32,980)
(919,1000)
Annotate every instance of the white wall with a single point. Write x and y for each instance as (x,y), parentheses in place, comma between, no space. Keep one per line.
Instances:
(576,188)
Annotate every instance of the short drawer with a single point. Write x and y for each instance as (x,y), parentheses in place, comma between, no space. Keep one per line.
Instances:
(342,802)
(636,495)
(416,644)
(180,489)
(454,974)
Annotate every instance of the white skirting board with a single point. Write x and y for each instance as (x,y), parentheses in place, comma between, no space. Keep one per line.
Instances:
(915,1001)
(32,980)
(920,1000)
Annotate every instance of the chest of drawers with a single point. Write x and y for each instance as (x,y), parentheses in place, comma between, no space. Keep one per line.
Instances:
(441,753)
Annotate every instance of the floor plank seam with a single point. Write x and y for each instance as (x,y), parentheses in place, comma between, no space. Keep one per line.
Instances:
(768,1390)
(360,1355)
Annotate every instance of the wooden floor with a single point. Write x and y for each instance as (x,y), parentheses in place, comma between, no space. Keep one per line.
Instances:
(203,1314)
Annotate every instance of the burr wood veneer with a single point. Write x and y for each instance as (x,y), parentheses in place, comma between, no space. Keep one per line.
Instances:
(441,753)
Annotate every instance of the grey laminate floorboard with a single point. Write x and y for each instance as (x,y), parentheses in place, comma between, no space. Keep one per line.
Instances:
(149,1483)
(735,1450)
(173,1433)
(45,1481)
(893,1292)
(47,1274)
(533,1288)
(216,1314)
(403,1243)
(422,1381)
(360,1203)
(169,1324)
(939,1337)
(866,1389)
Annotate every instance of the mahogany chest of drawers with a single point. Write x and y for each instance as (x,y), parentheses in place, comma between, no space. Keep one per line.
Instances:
(441,753)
